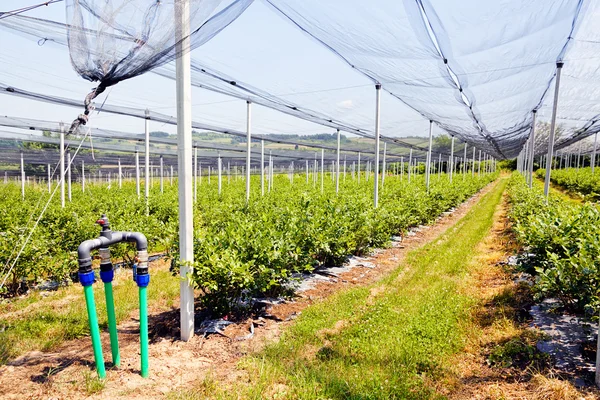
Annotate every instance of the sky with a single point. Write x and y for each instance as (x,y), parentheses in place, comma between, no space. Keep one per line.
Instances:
(259,48)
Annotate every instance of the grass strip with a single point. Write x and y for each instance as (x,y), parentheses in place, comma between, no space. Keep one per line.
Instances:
(390,340)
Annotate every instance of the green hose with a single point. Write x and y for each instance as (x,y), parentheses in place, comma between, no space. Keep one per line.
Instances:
(94,330)
(112,324)
(144,331)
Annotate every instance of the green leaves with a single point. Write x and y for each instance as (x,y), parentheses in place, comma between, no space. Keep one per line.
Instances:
(565,240)
(240,250)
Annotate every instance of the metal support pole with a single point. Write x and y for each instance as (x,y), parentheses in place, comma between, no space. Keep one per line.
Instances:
(532,149)
(464,163)
(451,159)
(473,169)
(120,173)
(62,165)
(248,148)
(271,171)
(49,179)
(307,171)
(196,174)
(23,178)
(220,172)
(161,174)
(401,168)
(137,173)
(593,160)
(410,164)
(262,168)
(377,121)
(322,169)
(184,157)
(82,176)
(69,196)
(358,175)
(559,66)
(337,164)
(147,162)
(428,161)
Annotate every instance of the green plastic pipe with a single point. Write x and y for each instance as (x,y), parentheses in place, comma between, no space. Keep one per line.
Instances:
(144,331)
(112,324)
(94,330)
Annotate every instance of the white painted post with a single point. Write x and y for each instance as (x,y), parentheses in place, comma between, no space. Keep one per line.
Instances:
(410,165)
(337,165)
(69,175)
(428,160)
(479,165)
(440,165)
(49,179)
(532,149)
(464,163)
(248,149)
(171,181)
(196,174)
(262,168)
(377,122)
(344,168)
(219,171)
(358,167)
(23,178)
(161,174)
(62,165)
(270,171)
(451,160)
(559,66)
(147,162)
(593,160)
(306,171)
(82,176)
(401,169)
(184,150)
(322,169)
(473,163)
(120,173)
(137,173)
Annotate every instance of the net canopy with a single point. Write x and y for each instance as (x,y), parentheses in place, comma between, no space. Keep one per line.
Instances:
(110,41)
(349,107)
(477,70)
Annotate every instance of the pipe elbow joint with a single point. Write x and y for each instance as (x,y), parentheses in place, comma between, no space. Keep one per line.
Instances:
(138,238)
(84,255)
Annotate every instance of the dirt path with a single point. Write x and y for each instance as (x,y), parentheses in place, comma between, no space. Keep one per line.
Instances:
(502,317)
(69,371)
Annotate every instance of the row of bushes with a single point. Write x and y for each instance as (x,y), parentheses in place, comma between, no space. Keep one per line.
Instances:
(243,252)
(240,250)
(564,241)
(577,181)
